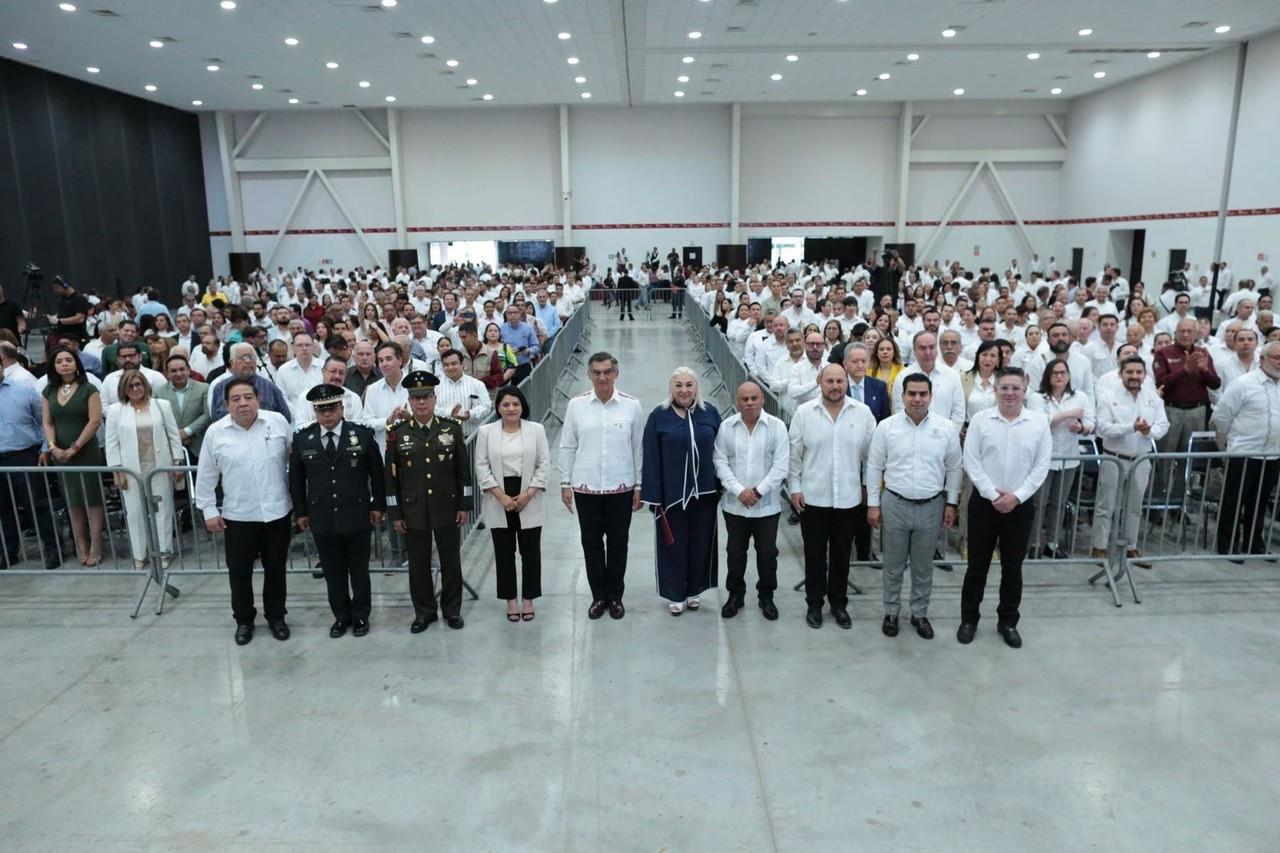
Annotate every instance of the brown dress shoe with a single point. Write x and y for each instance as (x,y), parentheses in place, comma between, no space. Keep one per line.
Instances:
(1098,553)
(1134,552)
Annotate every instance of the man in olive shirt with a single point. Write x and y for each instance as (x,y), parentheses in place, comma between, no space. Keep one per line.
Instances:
(429,494)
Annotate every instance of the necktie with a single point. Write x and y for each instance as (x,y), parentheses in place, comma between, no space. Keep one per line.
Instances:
(330,443)
(857,393)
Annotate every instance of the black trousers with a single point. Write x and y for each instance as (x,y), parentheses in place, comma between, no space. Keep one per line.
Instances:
(24,494)
(604,522)
(345,561)
(828,540)
(522,371)
(1242,516)
(742,530)
(861,534)
(677,301)
(246,541)
(421,588)
(506,540)
(1010,531)
(624,302)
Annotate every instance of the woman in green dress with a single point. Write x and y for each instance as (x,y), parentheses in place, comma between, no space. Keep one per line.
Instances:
(72,415)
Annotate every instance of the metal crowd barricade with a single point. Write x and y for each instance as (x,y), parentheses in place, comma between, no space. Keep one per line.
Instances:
(542,386)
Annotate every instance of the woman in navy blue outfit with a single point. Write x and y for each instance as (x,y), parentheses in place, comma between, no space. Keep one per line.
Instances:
(679,486)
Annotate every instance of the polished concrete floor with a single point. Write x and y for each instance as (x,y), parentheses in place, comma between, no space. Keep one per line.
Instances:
(1149,727)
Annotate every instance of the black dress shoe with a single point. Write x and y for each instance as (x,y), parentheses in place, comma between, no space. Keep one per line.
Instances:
(53,562)
(360,627)
(938,558)
(337,629)
(454,622)
(813,618)
(279,630)
(842,617)
(922,626)
(1011,637)
(244,633)
(731,607)
(890,626)
(768,609)
(794,518)
(422,623)
(597,609)
(966,632)
(616,610)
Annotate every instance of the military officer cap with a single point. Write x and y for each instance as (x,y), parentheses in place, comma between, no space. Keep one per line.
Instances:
(325,395)
(421,383)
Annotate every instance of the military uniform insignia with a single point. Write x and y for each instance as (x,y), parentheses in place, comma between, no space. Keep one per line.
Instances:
(353,439)
(446,439)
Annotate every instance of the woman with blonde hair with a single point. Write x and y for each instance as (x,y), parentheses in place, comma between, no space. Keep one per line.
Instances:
(887,363)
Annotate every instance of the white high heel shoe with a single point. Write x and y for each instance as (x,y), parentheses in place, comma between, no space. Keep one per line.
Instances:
(676,608)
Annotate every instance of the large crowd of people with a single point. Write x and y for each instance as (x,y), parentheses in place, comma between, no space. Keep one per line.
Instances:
(913,399)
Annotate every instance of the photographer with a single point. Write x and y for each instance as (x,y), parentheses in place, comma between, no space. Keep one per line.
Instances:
(73,310)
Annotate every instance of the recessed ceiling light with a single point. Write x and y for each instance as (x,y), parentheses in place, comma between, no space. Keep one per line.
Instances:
(331,65)
(452,63)
(1055,91)
(428,39)
(564,36)
(948,33)
(486,96)
(775,76)
(1098,75)
(884,75)
(293,100)
(228,4)
(1087,31)
(150,87)
(390,99)
(686,59)
(1155,54)
(93,69)
(257,87)
(1033,55)
(860,93)
(1222,29)
(573,60)
(912,57)
(683,78)
(363,84)
(389,3)
(549,2)
(585,95)
(957,91)
(291,41)
(579,79)
(197,103)
(212,68)
(17,45)
(67,7)
(791,57)
(678,93)
(156,43)
(695,35)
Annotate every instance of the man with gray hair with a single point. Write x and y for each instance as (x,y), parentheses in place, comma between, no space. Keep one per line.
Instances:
(13,370)
(244,365)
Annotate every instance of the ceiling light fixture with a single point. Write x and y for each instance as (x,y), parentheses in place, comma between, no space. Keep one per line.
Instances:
(390,99)
(585,96)
(573,60)
(486,97)
(678,93)
(291,41)
(156,43)
(791,57)
(1087,31)
(884,75)
(948,33)
(695,35)
(363,84)
(197,103)
(293,100)
(93,69)
(1055,91)
(150,87)
(912,57)
(17,45)
(452,63)
(257,87)
(686,59)
(67,7)
(579,79)
(1155,54)
(390,4)
(683,78)
(331,65)
(957,91)
(1222,29)
(564,36)
(1033,55)
(471,81)
(861,93)
(213,68)
(549,2)
(428,39)
(228,4)
(1098,75)
(775,76)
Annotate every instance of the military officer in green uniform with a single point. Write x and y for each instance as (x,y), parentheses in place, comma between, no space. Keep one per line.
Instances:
(429,494)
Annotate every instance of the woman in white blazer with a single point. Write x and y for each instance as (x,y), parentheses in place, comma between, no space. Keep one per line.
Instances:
(512,460)
(142,435)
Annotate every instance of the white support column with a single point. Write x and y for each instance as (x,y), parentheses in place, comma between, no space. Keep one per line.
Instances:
(342,207)
(1224,200)
(1008,201)
(735,174)
(924,119)
(230,178)
(397,188)
(904,169)
(288,218)
(566,190)
(951,211)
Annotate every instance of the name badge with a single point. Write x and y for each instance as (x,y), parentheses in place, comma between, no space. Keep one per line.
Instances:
(446,439)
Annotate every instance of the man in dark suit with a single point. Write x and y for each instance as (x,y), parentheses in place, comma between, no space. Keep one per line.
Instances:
(875,395)
(190,402)
(337,486)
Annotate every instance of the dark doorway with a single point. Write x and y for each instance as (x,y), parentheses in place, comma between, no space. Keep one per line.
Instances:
(692,256)
(759,250)
(1077,263)
(1177,257)
(1134,273)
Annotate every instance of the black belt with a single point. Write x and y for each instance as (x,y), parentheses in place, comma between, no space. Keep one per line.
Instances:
(1185,405)
(1118,455)
(914,500)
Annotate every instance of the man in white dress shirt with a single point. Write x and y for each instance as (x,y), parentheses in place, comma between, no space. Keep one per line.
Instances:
(830,438)
(247,452)
(129,357)
(751,458)
(386,400)
(948,393)
(802,384)
(1248,419)
(334,372)
(1102,352)
(463,398)
(301,373)
(915,456)
(1060,347)
(767,347)
(1128,421)
(1006,454)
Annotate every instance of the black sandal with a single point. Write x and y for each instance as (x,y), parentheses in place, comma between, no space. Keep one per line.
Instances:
(527,615)
(513,616)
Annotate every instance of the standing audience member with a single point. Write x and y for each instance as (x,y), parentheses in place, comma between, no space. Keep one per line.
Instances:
(23,445)
(244,365)
(1071,417)
(519,335)
(512,465)
(189,400)
(1006,454)
(1185,375)
(72,416)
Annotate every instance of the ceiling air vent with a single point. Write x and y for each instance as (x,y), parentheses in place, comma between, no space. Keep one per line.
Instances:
(285,91)
(750,4)
(1195,25)
(715,80)
(720,65)
(167,39)
(427,55)
(374,8)
(348,106)
(402,35)
(734,31)
(1136,50)
(104,13)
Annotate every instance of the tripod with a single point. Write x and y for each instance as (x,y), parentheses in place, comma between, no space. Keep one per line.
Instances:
(32,302)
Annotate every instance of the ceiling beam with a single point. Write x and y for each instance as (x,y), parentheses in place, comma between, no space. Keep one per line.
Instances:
(248,134)
(995,155)
(915,131)
(342,207)
(1008,202)
(377,134)
(288,218)
(303,164)
(1056,128)
(951,211)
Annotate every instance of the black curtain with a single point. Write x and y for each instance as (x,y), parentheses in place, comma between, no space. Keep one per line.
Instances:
(759,250)
(847,251)
(100,187)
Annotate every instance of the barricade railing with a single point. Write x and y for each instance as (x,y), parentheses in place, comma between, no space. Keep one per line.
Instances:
(542,386)
(720,357)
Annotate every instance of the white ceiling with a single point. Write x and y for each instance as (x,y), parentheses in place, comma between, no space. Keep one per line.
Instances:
(630,51)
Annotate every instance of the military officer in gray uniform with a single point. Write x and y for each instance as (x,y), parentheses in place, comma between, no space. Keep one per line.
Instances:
(337,485)
(429,493)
